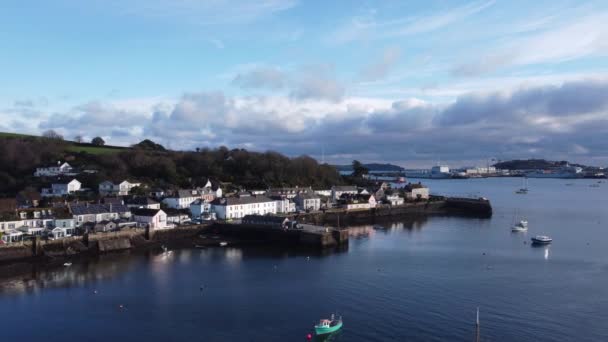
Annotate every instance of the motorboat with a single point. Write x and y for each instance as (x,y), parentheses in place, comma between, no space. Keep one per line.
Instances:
(223,244)
(328,326)
(379,227)
(541,240)
(521,226)
(67,264)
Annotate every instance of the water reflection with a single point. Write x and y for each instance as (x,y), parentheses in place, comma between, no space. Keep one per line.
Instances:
(41,276)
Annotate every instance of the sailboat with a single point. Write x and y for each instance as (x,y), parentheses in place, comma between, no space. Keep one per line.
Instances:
(524,189)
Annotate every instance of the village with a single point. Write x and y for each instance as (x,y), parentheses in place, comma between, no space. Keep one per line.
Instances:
(65,208)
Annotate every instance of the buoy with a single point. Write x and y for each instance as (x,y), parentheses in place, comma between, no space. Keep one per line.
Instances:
(121,306)
(95,292)
(309,336)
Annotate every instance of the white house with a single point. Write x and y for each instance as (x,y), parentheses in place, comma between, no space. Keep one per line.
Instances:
(323,192)
(52,171)
(307,201)
(394,199)
(98,212)
(183,198)
(11,236)
(284,205)
(153,218)
(337,191)
(350,202)
(121,189)
(239,207)
(416,191)
(62,189)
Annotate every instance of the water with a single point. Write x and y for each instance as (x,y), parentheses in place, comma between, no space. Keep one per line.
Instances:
(420,281)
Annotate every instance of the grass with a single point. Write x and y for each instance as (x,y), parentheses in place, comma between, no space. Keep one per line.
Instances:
(93,149)
(16,135)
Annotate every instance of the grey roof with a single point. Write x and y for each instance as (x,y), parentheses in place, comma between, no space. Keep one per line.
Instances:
(344,188)
(241,200)
(141,201)
(145,212)
(90,209)
(308,195)
(188,193)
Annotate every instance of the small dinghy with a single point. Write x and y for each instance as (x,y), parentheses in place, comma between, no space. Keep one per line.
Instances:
(328,326)
(541,240)
(223,243)
(67,264)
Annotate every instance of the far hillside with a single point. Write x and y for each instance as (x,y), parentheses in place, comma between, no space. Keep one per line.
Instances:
(535,164)
(372,167)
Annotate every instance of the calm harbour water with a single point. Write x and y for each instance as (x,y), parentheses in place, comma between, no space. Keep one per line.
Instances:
(420,281)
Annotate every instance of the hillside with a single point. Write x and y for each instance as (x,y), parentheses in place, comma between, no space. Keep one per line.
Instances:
(533,164)
(372,167)
(151,164)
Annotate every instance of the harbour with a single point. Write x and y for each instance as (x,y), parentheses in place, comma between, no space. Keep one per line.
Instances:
(428,273)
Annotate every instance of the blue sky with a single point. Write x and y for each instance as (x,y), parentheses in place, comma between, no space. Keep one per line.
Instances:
(404,82)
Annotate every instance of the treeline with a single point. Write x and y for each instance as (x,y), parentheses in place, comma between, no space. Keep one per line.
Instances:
(157,167)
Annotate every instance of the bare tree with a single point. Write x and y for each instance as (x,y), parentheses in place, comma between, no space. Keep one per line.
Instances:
(51,134)
(79,139)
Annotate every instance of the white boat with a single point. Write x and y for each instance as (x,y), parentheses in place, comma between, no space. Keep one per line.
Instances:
(521,226)
(541,240)
(223,243)
(566,171)
(379,227)
(67,264)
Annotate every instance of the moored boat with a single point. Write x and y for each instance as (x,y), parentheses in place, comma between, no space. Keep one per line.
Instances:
(541,240)
(379,227)
(328,326)
(521,226)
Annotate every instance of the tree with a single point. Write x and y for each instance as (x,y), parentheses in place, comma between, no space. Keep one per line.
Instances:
(51,134)
(358,169)
(150,145)
(79,139)
(98,141)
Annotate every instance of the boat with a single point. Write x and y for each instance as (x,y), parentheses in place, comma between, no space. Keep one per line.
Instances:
(521,226)
(524,189)
(541,240)
(328,326)
(200,246)
(379,227)
(223,243)
(67,264)
(566,171)
(400,180)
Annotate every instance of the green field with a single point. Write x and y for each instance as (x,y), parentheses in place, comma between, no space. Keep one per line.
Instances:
(93,149)
(71,145)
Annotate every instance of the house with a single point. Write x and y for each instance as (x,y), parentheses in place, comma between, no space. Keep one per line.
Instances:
(354,202)
(142,202)
(213,187)
(121,189)
(268,221)
(28,199)
(60,233)
(62,189)
(98,212)
(151,218)
(200,208)
(60,169)
(11,236)
(323,192)
(182,199)
(337,191)
(157,193)
(239,207)
(416,191)
(289,193)
(307,201)
(36,221)
(394,199)
(105,226)
(284,205)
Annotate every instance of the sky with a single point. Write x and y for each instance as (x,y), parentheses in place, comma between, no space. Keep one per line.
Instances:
(413,83)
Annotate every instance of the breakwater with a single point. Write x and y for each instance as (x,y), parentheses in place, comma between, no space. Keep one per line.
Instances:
(480,208)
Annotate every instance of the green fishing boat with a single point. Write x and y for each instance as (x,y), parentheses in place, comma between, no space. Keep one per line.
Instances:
(328,326)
